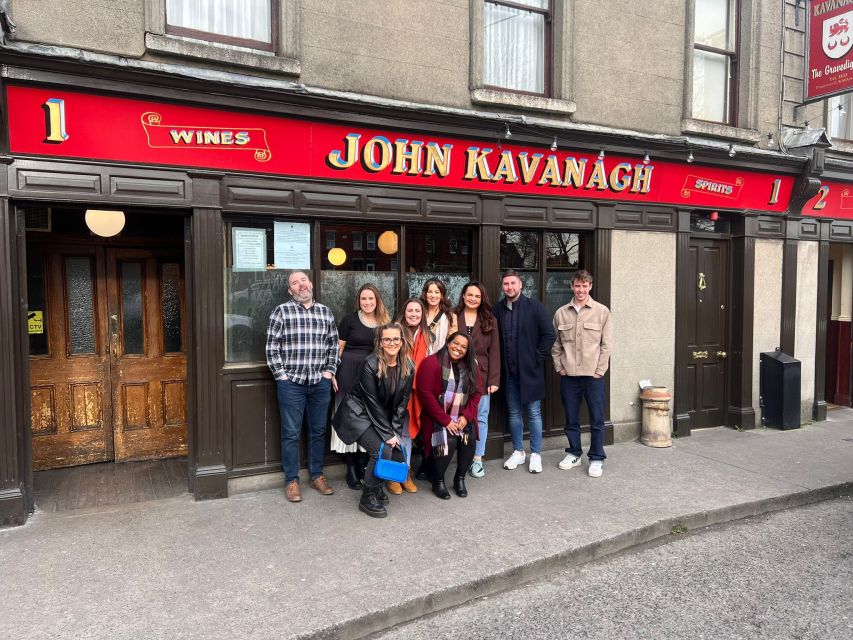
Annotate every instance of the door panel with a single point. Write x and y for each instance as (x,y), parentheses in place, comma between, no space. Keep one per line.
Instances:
(108,371)
(706,351)
(145,297)
(69,371)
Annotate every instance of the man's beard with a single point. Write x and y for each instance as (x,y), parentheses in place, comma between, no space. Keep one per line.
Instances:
(304,297)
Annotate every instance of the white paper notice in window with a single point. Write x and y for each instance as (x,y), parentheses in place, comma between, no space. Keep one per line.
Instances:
(249,249)
(292,245)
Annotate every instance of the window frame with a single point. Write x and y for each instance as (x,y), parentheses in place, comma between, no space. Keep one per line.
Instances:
(733,57)
(548,68)
(209,36)
(828,118)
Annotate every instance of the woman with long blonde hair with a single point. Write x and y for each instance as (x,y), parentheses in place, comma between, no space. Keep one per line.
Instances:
(356,334)
(374,410)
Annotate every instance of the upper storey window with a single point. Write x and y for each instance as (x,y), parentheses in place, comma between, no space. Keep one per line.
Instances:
(840,116)
(517,45)
(244,23)
(715,61)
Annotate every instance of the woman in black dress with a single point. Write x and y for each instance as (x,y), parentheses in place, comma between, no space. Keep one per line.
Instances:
(357,334)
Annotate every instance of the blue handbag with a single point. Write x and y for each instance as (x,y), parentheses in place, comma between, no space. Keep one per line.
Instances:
(390,470)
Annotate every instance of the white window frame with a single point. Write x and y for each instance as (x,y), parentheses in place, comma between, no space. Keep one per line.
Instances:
(356,241)
(371,241)
(331,239)
(285,59)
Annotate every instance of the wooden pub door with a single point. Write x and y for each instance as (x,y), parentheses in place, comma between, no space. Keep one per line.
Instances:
(707,337)
(108,367)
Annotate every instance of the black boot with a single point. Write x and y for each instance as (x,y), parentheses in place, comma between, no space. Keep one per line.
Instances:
(424,472)
(459,486)
(370,505)
(380,495)
(439,489)
(353,481)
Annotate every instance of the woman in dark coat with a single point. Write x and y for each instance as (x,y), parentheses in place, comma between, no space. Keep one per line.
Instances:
(448,386)
(475,319)
(374,411)
(356,333)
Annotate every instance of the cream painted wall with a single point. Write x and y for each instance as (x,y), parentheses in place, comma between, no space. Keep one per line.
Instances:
(643,308)
(767,318)
(804,343)
(836,256)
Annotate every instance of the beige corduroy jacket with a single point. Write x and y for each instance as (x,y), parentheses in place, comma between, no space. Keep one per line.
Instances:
(584,339)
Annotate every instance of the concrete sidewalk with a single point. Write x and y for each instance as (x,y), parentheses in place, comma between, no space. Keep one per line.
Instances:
(255,566)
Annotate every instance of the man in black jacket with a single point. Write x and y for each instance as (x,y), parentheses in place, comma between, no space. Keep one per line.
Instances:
(526,335)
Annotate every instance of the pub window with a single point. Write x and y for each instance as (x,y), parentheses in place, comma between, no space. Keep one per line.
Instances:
(840,117)
(715,60)
(255,284)
(245,23)
(517,44)
(563,254)
(342,275)
(428,257)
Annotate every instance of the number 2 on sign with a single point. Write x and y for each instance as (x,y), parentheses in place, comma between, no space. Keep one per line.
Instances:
(54,121)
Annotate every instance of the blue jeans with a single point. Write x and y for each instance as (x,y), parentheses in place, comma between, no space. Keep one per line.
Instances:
(516,422)
(482,424)
(572,390)
(294,402)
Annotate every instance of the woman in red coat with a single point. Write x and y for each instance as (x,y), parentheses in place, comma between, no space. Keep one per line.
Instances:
(448,386)
(475,319)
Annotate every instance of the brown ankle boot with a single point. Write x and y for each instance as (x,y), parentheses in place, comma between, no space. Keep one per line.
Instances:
(394,488)
(409,486)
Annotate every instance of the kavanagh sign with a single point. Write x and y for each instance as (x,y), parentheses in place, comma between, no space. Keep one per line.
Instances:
(829,48)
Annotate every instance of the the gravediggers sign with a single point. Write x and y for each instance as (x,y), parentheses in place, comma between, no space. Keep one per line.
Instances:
(829,48)
(49,122)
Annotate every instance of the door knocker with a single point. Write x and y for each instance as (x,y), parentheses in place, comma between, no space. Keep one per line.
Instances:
(702,285)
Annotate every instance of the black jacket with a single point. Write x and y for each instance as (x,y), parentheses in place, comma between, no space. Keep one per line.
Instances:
(365,404)
(535,336)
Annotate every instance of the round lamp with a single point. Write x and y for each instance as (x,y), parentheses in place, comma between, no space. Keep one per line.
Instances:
(104,223)
(388,243)
(337,256)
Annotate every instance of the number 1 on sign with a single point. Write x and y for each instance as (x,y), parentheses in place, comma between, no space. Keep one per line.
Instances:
(54,121)
(774,191)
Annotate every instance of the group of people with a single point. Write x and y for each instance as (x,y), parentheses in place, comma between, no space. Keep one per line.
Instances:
(427,377)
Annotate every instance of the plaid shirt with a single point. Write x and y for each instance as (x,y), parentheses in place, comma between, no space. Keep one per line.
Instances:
(302,344)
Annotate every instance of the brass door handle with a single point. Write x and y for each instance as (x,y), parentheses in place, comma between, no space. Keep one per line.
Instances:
(722,354)
(699,355)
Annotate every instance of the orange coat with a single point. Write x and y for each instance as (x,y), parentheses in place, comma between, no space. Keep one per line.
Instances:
(419,352)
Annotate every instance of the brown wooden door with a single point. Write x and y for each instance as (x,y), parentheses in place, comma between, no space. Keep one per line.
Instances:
(148,374)
(108,370)
(69,357)
(706,348)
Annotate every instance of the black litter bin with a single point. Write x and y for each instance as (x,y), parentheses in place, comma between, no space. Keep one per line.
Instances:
(780,390)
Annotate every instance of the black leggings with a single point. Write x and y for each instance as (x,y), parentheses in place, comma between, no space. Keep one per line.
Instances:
(464,456)
(370,441)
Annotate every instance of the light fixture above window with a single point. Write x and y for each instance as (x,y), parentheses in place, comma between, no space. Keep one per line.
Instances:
(105,223)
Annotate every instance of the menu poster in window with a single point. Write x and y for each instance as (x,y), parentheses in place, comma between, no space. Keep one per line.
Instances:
(249,248)
(292,245)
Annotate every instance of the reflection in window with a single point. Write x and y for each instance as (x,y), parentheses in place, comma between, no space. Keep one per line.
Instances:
(840,117)
(376,264)
(250,298)
(36,303)
(131,307)
(520,252)
(81,304)
(515,44)
(170,301)
(436,256)
(562,257)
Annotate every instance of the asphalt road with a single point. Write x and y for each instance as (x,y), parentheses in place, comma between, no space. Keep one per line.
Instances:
(783,576)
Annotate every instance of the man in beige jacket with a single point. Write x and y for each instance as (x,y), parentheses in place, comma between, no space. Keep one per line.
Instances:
(581,354)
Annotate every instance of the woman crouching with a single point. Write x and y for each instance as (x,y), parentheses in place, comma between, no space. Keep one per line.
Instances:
(447,384)
(374,410)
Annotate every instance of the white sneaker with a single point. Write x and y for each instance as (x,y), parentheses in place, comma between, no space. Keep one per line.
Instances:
(535,463)
(596,468)
(570,461)
(515,459)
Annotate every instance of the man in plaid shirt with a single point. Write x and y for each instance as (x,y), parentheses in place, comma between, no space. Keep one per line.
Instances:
(302,353)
